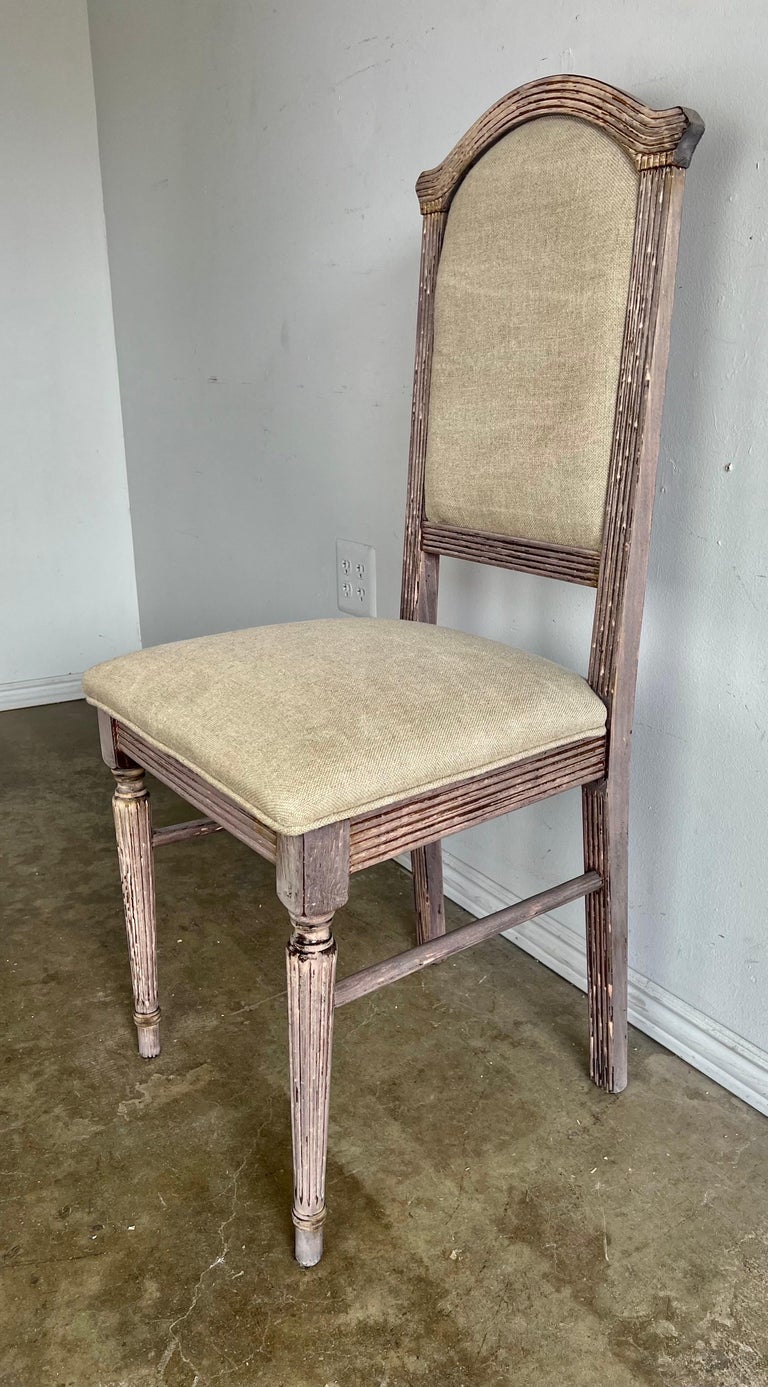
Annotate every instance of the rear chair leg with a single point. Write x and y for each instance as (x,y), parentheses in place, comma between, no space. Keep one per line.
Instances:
(605,851)
(312,882)
(427,868)
(133,830)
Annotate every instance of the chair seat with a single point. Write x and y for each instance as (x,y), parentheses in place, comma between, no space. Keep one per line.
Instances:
(312,722)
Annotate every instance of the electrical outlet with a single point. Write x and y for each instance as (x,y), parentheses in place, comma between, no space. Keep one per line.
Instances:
(355,578)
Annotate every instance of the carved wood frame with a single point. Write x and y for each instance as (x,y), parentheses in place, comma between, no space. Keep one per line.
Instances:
(661,144)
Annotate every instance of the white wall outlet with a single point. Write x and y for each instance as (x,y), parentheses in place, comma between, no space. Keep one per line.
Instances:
(355,578)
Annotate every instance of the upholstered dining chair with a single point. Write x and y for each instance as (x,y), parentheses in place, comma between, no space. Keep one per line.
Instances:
(548,260)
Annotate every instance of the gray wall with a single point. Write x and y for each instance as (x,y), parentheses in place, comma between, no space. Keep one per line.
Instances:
(67,587)
(258,167)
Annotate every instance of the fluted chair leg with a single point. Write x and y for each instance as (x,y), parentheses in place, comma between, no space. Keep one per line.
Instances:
(311,961)
(312,882)
(133,830)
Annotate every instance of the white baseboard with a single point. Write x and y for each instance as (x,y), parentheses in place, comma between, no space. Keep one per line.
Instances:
(718,1052)
(29,693)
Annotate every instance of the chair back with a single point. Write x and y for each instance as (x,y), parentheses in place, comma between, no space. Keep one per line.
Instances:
(548,255)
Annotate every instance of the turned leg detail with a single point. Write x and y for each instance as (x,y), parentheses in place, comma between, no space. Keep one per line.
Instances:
(427,868)
(312,883)
(605,851)
(311,960)
(133,830)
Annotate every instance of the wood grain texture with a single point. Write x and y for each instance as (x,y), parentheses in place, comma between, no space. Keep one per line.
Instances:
(414,565)
(198,792)
(427,861)
(311,969)
(133,831)
(605,827)
(313,880)
(650,137)
(179,833)
(428,893)
(522,555)
(400,827)
(619,607)
(110,752)
(383,833)
(429,579)
(632,475)
(313,871)
(436,950)
(661,144)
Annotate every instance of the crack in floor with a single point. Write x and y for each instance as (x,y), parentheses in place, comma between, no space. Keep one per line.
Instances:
(174,1342)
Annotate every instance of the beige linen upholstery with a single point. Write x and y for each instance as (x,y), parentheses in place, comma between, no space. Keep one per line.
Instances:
(529,316)
(316,721)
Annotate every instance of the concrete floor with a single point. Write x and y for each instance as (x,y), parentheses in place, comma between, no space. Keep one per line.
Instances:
(494,1219)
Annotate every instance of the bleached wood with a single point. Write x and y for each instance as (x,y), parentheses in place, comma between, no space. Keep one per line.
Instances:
(417,569)
(521,555)
(195,790)
(427,860)
(178,833)
(652,138)
(133,831)
(313,871)
(435,950)
(312,882)
(661,144)
(619,608)
(311,966)
(383,833)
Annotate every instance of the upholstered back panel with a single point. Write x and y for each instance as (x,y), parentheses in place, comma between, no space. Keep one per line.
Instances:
(529,317)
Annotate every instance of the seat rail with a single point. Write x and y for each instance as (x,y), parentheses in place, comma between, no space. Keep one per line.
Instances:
(425,818)
(383,833)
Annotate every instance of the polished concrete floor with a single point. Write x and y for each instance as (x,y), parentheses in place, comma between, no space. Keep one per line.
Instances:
(495,1221)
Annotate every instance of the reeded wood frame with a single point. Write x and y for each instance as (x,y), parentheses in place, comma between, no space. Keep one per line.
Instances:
(313,870)
(661,144)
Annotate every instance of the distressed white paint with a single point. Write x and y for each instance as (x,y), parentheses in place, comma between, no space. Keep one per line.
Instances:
(67,587)
(258,171)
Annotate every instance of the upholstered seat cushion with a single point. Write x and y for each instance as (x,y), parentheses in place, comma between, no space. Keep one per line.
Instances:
(315,721)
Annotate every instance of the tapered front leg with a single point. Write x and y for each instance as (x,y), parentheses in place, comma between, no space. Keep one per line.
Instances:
(427,868)
(311,960)
(133,830)
(312,882)
(605,851)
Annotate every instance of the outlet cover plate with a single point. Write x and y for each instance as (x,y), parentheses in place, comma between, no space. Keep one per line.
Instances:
(355,577)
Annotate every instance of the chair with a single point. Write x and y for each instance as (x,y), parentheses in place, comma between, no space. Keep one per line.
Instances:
(547,273)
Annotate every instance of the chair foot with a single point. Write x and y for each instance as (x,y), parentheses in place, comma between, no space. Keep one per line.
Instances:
(148,1031)
(308,1246)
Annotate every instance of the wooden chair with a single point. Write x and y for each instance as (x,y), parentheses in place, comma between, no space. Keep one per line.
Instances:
(547,272)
